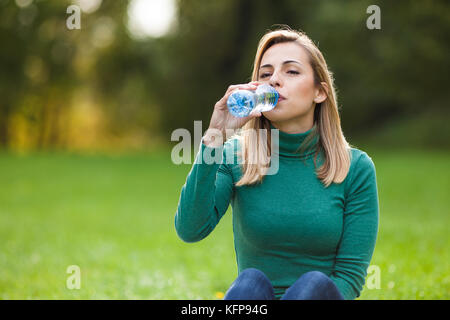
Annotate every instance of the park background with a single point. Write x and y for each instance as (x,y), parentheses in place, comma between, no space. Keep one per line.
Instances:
(86,117)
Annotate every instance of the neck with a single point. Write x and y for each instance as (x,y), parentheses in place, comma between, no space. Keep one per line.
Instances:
(295,145)
(294,126)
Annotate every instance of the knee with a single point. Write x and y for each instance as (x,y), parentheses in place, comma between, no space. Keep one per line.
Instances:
(251,274)
(252,278)
(250,284)
(313,285)
(312,280)
(316,277)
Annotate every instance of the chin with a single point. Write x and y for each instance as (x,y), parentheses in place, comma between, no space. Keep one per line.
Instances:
(276,115)
(285,113)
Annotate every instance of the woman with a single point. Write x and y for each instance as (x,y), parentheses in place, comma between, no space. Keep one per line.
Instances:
(309,230)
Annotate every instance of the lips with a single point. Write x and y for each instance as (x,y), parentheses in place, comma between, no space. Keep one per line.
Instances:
(281,98)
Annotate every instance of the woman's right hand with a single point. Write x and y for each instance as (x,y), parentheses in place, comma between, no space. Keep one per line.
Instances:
(222,119)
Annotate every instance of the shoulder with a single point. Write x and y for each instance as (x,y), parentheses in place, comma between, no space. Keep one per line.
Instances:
(362,169)
(360,160)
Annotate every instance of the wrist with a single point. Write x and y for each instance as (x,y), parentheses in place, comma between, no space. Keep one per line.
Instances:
(213,138)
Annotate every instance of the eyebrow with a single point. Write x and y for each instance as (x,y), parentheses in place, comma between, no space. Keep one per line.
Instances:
(285,62)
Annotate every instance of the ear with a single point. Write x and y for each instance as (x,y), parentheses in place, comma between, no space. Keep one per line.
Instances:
(321,93)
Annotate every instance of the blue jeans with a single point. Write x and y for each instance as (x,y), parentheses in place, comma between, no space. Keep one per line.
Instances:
(253,284)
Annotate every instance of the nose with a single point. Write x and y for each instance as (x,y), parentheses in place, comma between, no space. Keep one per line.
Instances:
(274,80)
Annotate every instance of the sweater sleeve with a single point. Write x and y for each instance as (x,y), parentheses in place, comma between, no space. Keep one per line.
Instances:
(205,196)
(360,228)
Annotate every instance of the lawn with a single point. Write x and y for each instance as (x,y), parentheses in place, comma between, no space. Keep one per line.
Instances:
(112,216)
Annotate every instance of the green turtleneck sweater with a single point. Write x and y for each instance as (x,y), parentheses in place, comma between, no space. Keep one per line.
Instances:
(290,224)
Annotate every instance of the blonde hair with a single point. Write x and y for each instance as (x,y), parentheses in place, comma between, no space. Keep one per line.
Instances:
(256,148)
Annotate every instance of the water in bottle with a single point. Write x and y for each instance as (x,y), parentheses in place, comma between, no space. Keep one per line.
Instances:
(242,102)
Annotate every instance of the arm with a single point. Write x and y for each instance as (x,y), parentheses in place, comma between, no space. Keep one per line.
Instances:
(205,196)
(359,230)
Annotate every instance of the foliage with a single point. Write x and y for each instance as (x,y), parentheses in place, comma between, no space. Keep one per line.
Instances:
(147,88)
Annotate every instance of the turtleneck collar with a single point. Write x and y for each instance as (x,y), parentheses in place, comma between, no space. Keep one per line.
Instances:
(289,143)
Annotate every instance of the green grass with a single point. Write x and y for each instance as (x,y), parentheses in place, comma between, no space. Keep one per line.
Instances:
(113,217)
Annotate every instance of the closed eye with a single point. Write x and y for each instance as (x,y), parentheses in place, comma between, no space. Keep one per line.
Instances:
(264,75)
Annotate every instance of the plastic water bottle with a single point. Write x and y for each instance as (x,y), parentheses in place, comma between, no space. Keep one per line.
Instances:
(242,102)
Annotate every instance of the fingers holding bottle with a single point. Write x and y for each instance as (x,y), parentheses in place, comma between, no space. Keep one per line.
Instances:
(222,119)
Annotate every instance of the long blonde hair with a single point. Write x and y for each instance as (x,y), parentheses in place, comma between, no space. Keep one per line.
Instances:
(256,148)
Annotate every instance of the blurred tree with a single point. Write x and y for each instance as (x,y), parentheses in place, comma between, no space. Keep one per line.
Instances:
(381,75)
(214,47)
(36,67)
(142,87)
